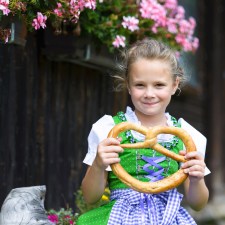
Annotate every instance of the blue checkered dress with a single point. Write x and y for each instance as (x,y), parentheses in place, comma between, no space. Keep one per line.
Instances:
(134,208)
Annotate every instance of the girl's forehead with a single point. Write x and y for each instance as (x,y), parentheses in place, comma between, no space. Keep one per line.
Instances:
(147,69)
(150,64)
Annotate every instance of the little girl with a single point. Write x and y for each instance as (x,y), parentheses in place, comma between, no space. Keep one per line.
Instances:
(151,73)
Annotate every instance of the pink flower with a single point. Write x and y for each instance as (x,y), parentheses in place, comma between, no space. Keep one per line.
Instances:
(180,12)
(58,10)
(4,4)
(195,44)
(53,218)
(130,22)
(187,42)
(119,41)
(184,26)
(192,23)
(91,4)
(170,4)
(40,21)
(172,25)
(69,219)
(151,9)
(80,5)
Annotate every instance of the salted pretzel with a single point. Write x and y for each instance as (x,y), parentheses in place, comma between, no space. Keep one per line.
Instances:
(165,184)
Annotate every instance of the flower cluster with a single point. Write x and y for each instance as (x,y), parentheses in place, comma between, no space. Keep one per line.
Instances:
(62,217)
(36,14)
(114,23)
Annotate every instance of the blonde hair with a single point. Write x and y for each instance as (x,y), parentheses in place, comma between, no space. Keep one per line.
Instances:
(147,49)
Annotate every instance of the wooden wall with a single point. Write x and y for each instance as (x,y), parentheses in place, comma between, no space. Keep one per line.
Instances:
(46,112)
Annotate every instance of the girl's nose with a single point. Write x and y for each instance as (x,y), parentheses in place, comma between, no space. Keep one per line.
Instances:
(149,92)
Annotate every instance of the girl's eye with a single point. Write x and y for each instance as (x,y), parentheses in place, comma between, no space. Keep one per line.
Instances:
(139,85)
(160,85)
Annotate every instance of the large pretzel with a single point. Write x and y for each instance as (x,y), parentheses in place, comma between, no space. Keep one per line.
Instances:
(165,184)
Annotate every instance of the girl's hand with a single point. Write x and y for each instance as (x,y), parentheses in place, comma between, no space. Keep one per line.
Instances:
(108,152)
(195,166)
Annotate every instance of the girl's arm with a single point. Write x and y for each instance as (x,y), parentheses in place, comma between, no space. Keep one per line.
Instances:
(196,191)
(93,184)
(95,180)
(197,194)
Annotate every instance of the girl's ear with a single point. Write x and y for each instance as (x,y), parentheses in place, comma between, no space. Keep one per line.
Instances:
(176,85)
(128,88)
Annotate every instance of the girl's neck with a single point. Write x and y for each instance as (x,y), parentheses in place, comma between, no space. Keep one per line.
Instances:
(151,121)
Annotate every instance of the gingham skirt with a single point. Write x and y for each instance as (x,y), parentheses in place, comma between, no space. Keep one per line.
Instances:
(134,208)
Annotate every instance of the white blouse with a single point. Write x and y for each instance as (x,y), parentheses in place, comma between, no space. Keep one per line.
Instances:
(101,128)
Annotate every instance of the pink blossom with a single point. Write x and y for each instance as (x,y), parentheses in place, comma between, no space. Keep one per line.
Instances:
(69,219)
(180,12)
(154,29)
(151,9)
(91,4)
(53,218)
(180,39)
(75,7)
(119,41)
(39,21)
(58,10)
(130,22)
(172,25)
(170,4)
(186,28)
(192,23)
(81,4)
(4,4)
(187,42)
(195,44)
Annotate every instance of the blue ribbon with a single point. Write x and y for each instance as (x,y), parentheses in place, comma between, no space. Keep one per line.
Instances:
(153,161)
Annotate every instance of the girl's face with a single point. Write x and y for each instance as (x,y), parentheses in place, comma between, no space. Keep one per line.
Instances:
(151,86)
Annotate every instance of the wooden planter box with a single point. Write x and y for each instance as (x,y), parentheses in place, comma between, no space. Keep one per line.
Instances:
(78,50)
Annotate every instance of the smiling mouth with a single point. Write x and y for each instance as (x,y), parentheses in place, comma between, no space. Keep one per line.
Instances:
(150,103)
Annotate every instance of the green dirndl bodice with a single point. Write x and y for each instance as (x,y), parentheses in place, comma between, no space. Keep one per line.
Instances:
(133,162)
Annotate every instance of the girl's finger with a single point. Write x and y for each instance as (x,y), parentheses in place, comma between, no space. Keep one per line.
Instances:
(195,155)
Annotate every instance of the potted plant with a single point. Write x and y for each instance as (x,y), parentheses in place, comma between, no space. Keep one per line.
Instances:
(114,23)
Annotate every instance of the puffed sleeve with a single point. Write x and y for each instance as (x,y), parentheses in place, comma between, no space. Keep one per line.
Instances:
(99,132)
(199,139)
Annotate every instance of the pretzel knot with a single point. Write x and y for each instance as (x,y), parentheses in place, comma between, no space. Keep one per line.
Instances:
(165,184)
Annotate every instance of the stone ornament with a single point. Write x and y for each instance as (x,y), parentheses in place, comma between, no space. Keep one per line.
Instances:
(25,206)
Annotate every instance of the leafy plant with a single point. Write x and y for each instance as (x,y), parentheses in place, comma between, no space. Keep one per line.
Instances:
(114,23)
(63,216)
(67,216)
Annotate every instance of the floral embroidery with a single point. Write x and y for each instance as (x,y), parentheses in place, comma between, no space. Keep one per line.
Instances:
(128,134)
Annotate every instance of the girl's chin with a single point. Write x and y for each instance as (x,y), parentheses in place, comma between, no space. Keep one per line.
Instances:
(149,113)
